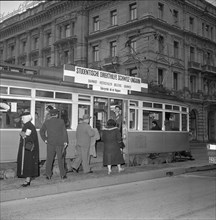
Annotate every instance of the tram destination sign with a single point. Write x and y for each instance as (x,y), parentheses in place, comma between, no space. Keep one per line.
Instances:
(102,80)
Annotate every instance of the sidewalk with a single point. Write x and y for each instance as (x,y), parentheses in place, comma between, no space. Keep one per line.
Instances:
(11,190)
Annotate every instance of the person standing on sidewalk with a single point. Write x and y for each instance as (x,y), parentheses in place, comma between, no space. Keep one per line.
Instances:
(112,155)
(28,153)
(84,133)
(53,132)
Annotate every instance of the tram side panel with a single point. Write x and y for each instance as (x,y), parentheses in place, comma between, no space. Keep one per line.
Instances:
(157,142)
(10,143)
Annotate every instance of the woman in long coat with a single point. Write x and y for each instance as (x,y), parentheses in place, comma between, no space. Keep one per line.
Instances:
(28,153)
(112,155)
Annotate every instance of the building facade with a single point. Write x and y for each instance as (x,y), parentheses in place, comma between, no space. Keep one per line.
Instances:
(170,44)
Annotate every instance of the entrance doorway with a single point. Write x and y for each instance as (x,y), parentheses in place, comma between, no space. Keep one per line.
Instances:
(212,126)
(193,125)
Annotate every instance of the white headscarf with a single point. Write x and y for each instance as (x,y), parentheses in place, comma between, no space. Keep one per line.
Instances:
(26,118)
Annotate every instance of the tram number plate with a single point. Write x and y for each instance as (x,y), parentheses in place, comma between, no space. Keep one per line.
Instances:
(212,159)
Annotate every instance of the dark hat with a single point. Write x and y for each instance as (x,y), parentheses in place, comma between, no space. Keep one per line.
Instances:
(53,112)
(86,116)
(25,113)
(49,107)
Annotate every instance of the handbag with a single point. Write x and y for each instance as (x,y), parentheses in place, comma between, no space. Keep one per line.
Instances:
(29,146)
(122,145)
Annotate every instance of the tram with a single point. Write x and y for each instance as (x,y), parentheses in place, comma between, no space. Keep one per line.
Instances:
(75,91)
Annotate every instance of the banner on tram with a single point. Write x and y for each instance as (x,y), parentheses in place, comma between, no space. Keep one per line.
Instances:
(102,80)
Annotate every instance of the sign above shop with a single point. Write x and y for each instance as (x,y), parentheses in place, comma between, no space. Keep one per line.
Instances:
(102,80)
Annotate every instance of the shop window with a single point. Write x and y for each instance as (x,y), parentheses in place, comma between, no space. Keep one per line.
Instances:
(10,112)
(149,117)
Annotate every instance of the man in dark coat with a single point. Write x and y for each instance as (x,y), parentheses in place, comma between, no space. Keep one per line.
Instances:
(28,159)
(53,132)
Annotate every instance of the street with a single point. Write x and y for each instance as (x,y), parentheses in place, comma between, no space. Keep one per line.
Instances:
(187,196)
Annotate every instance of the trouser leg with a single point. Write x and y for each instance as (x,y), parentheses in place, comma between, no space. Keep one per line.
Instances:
(77,161)
(60,160)
(50,157)
(85,159)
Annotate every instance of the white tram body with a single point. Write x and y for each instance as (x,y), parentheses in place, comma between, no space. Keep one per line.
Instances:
(34,89)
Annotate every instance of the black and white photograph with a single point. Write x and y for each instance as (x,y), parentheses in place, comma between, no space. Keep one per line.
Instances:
(108,110)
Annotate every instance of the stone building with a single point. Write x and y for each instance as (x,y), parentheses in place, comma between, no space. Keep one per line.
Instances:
(170,44)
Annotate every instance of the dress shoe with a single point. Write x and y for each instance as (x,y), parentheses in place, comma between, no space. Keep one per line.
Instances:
(75,170)
(64,177)
(48,177)
(26,184)
(90,171)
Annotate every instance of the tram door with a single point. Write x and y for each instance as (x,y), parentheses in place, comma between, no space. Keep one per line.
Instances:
(105,109)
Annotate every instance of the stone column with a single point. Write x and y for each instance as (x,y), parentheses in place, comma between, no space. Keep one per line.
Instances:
(53,39)
(17,50)
(41,40)
(5,50)
(28,49)
(200,82)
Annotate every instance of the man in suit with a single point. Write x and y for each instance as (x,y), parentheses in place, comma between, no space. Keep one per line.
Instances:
(84,133)
(53,132)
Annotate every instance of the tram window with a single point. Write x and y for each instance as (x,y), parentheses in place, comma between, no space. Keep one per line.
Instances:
(42,93)
(100,112)
(84,98)
(116,111)
(176,108)
(133,103)
(60,95)
(149,116)
(147,104)
(184,109)
(3,90)
(171,121)
(18,91)
(10,111)
(63,108)
(169,107)
(133,119)
(184,122)
(157,105)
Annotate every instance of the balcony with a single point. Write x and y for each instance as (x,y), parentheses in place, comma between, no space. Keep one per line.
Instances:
(110,61)
(70,40)
(194,66)
(209,69)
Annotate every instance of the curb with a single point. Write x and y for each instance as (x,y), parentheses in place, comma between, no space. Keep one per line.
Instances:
(62,187)
(91,183)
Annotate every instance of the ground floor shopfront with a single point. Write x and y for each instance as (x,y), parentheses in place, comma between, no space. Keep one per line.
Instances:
(203,121)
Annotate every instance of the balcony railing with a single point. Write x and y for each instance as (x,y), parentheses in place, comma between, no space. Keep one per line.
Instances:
(111,61)
(209,68)
(194,65)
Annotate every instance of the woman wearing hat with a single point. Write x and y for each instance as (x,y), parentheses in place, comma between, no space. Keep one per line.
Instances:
(28,153)
(112,155)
